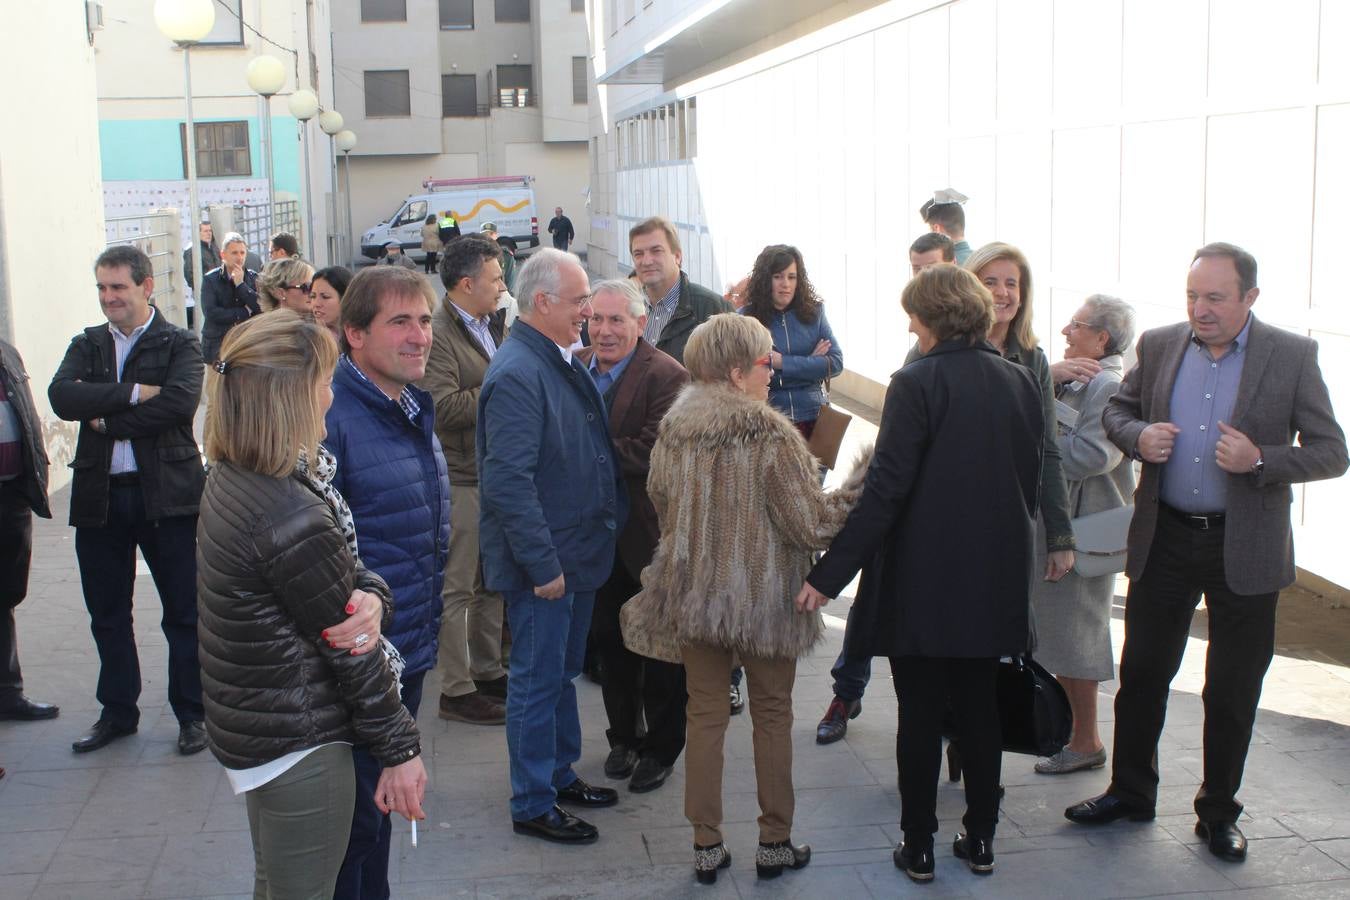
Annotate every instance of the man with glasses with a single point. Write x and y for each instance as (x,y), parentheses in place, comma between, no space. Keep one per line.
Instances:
(552,505)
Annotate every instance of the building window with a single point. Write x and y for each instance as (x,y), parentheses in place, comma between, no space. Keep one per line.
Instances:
(459,95)
(222,149)
(384,10)
(387,94)
(579,6)
(456,15)
(513,10)
(578,79)
(514,86)
(228,28)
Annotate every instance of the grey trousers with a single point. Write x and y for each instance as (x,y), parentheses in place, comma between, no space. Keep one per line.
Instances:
(300,824)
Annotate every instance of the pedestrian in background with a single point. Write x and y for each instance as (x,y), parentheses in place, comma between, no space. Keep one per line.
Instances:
(229,295)
(431,243)
(285,284)
(394,256)
(326,288)
(284,246)
(961,431)
(278,563)
(561,228)
(720,584)
(210,260)
(1073,615)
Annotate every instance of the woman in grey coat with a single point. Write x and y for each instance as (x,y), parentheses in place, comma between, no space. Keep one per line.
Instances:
(1073,616)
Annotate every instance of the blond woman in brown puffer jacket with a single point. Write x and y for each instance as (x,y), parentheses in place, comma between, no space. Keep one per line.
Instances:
(741,514)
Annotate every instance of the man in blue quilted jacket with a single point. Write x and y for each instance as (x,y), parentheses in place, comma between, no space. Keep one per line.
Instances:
(392,473)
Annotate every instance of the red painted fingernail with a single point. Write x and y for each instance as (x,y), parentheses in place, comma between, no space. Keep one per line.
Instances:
(324,635)
(333,644)
(351,608)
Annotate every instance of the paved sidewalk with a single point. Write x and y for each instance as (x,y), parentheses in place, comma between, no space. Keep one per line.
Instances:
(137,820)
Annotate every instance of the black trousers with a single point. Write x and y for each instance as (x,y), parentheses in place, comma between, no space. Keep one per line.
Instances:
(365,869)
(1184,563)
(927,688)
(636,688)
(16,552)
(107,559)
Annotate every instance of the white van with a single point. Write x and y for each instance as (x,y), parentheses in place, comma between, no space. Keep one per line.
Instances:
(507,201)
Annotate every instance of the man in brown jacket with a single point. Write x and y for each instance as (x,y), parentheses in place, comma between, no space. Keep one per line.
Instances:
(1212,411)
(638,383)
(466,332)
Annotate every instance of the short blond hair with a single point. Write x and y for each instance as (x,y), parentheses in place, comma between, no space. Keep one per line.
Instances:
(263,410)
(724,342)
(950,302)
(276,275)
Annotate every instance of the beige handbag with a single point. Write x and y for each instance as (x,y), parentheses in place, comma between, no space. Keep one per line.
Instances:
(828,435)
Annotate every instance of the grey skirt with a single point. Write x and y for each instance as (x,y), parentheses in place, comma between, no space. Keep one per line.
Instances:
(1072,619)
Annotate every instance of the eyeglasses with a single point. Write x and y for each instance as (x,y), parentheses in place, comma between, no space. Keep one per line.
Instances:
(1075,323)
(575,301)
(766,361)
(299,287)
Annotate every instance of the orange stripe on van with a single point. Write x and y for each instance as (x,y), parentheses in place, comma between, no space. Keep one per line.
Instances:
(488,202)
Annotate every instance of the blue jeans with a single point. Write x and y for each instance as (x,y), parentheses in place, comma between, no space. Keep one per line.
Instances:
(543,731)
(365,869)
(850,675)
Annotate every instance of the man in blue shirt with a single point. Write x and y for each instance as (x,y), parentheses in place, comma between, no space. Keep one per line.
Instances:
(1212,411)
(639,383)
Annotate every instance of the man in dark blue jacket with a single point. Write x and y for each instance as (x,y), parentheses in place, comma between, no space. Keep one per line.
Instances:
(552,505)
(392,473)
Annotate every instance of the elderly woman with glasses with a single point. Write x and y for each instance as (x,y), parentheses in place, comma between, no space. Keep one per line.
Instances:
(1073,616)
(285,284)
(721,583)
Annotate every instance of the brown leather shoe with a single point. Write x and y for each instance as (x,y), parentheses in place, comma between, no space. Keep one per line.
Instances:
(475,708)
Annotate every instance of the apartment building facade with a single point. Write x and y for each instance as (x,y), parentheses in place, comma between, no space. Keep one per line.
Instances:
(141,112)
(1108,140)
(463,89)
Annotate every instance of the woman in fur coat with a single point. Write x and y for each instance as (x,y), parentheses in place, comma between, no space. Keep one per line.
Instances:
(741,514)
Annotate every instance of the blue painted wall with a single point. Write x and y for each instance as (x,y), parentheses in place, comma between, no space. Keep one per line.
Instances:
(150,150)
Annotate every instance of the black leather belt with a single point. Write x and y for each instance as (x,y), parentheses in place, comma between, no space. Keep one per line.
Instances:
(1197,521)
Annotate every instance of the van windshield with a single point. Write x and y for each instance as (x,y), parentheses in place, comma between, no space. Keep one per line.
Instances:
(398,212)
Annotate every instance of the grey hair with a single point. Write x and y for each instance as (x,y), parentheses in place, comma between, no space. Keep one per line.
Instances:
(1114,316)
(541,272)
(232,237)
(637,306)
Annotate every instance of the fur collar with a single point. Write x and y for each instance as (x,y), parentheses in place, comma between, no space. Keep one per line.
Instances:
(717,413)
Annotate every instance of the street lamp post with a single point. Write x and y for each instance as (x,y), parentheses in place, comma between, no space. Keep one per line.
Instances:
(330,123)
(266,75)
(185,22)
(304,105)
(345,141)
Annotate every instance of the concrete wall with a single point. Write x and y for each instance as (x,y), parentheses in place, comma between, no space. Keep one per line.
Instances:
(1106,146)
(561,35)
(49,185)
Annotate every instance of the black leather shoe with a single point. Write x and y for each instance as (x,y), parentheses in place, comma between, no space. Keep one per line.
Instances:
(649,775)
(1106,808)
(835,723)
(101,735)
(559,826)
(737,701)
(25,710)
(191,738)
(915,861)
(582,794)
(1224,839)
(620,762)
(772,859)
(977,852)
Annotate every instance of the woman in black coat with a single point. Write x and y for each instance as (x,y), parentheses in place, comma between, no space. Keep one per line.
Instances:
(943,534)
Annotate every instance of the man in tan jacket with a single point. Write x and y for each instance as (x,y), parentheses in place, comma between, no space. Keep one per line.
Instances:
(466,332)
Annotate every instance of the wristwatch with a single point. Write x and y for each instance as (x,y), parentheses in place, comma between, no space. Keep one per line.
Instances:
(102,425)
(1259,466)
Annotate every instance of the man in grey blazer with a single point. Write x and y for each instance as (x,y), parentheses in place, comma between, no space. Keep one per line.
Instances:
(1212,411)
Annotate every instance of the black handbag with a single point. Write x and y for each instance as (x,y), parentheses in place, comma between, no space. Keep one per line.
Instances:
(1033,709)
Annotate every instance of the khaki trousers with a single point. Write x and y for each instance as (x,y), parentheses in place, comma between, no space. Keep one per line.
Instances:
(471,620)
(707,673)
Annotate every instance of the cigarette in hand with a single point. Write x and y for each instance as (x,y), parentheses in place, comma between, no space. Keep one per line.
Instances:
(414,832)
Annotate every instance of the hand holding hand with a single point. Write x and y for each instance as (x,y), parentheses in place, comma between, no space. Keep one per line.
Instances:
(553,590)
(1235,453)
(364,611)
(809,599)
(1155,442)
(1057,564)
(1081,369)
(401,789)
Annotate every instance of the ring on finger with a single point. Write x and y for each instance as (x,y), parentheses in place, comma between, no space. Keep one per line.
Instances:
(361,639)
